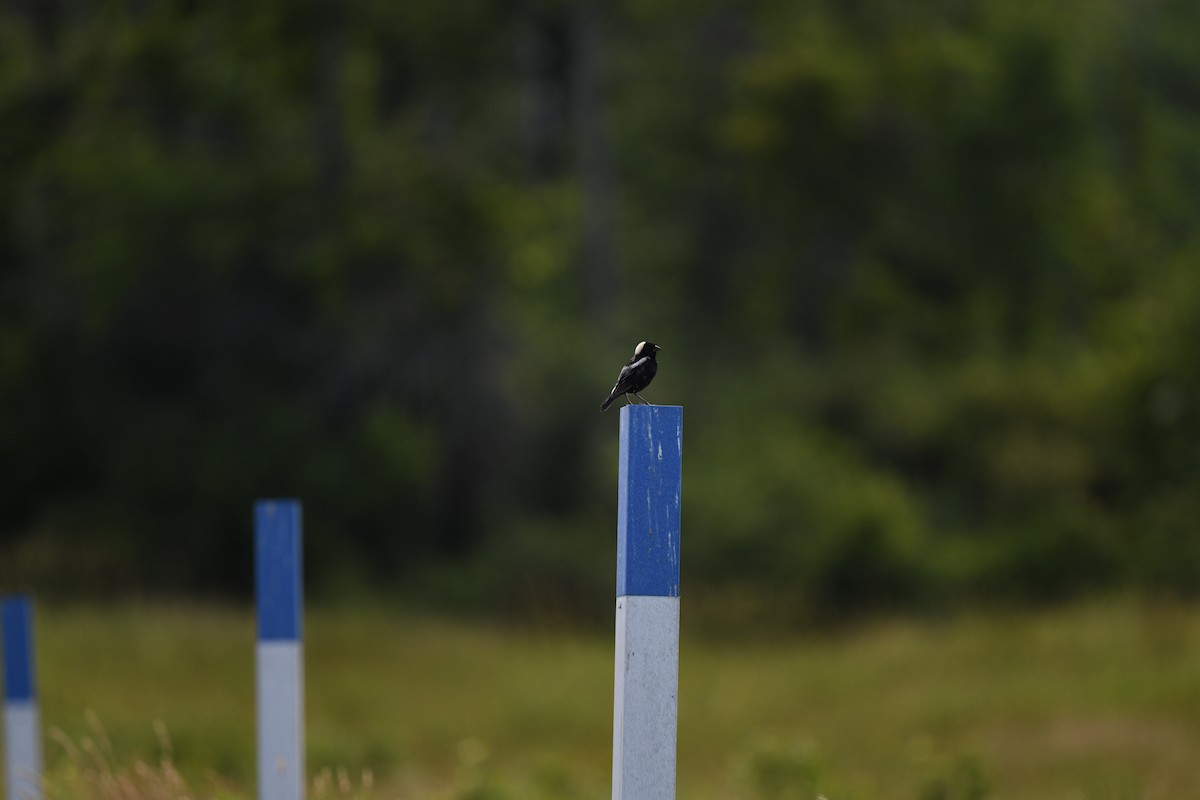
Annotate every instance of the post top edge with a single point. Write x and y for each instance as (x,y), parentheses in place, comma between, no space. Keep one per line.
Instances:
(268,505)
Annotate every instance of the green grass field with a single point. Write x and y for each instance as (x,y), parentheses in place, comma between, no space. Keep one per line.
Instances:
(1095,701)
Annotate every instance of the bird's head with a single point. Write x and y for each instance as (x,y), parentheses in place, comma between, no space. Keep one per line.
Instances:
(645,349)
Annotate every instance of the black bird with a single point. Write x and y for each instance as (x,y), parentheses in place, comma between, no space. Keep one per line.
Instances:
(636,374)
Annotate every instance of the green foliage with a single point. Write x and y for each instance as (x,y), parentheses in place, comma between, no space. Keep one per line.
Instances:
(784,773)
(964,780)
(925,278)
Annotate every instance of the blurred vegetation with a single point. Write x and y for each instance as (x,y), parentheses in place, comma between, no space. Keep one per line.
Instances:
(1087,700)
(925,278)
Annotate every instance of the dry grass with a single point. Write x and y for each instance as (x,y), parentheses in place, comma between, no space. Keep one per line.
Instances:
(88,770)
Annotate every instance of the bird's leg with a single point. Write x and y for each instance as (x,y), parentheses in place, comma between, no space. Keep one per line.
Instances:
(639,397)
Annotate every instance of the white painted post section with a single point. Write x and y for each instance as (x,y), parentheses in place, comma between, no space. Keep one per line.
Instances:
(646,691)
(280,653)
(22,730)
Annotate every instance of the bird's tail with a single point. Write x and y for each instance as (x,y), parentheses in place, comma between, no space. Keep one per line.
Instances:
(608,402)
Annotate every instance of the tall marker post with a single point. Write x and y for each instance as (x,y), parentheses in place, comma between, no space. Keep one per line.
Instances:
(22,731)
(645,697)
(280,654)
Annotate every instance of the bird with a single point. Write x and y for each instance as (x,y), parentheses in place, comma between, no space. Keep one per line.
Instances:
(636,374)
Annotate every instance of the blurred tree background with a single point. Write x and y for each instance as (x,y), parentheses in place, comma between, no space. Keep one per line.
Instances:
(926,279)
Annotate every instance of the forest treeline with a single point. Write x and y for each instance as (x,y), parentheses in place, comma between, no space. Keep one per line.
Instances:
(925,277)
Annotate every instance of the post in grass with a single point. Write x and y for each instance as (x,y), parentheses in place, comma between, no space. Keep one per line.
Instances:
(280,653)
(22,731)
(645,697)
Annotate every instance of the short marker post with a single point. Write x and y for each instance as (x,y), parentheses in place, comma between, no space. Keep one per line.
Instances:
(22,730)
(645,697)
(280,655)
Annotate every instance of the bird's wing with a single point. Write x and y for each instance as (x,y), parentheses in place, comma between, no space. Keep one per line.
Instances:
(626,372)
(622,375)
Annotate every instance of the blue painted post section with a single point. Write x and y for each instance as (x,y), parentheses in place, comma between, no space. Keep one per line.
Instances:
(280,654)
(22,731)
(645,697)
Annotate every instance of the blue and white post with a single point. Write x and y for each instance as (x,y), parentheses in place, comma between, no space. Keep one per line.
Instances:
(22,731)
(645,698)
(280,655)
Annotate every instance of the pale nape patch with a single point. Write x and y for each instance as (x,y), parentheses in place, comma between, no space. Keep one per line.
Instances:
(637,351)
